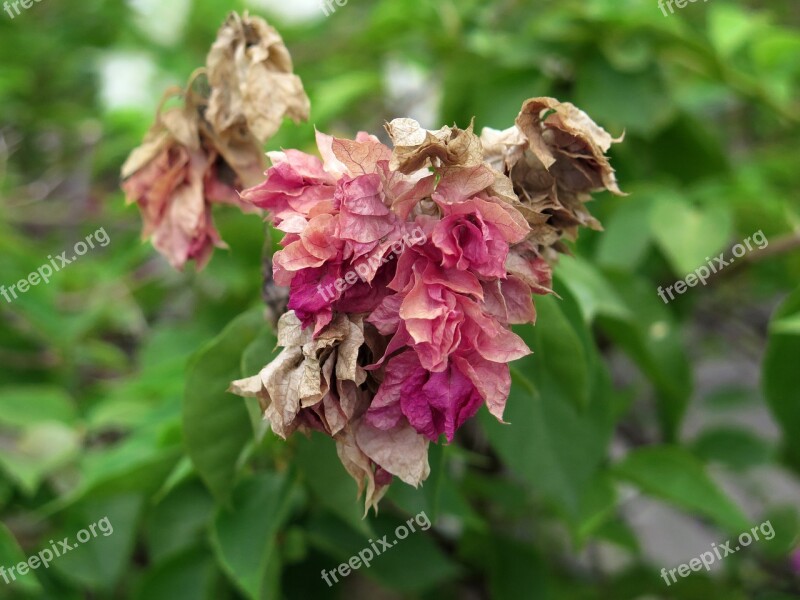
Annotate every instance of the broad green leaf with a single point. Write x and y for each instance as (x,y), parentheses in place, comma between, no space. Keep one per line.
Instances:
(736,448)
(558,352)
(673,474)
(29,405)
(789,325)
(596,508)
(781,375)
(782,525)
(179,521)
(140,462)
(102,561)
(11,555)
(618,532)
(187,576)
(410,566)
(554,448)
(331,97)
(515,569)
(37,451)
(636,102)
(331,486)
(437,497)
(730,27)
(216,424)
(627,235)
(256,356)
(689,236)
(244,536)
(653,341)
(593,293)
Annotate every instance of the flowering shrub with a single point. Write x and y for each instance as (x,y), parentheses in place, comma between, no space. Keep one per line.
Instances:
(414,346)
(639,434)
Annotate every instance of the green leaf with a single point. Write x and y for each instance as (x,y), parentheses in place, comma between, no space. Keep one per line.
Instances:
(627,235)
(255,357)
(101,561)
(244,537)
(653,341)
(440,495)
(216,424)
(187,576)
(593,293)
(140,462)
(328,481)
(689,236)
(739,449)
(596,509)
(37,451)
(781,376)
(11,555)
(730,27)
(634,101)
(23,406)
(555,449)
(515,566)
(178,522)
(558,352)
(391,567)
(673,474)
(788,325)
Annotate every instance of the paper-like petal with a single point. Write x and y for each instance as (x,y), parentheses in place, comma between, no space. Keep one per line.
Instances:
(252,83)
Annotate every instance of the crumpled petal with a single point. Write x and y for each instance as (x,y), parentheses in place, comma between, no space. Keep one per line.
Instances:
(252,83)
(415,147)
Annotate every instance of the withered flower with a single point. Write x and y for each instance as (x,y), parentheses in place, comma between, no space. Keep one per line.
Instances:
(207,149)
(319,383)
(252,81)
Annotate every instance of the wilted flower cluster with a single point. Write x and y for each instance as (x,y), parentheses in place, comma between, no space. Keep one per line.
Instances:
(203,151)
(405,265)
(413,343)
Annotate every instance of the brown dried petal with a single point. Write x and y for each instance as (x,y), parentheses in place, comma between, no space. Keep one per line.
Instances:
(557,130)
(309,371)
(502,149)
(416,147)
(401,451)
(360,468)
(250,72)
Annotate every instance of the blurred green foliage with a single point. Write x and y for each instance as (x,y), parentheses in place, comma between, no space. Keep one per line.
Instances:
(113,376)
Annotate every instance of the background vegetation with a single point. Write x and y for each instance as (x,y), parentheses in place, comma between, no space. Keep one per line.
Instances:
(640,432)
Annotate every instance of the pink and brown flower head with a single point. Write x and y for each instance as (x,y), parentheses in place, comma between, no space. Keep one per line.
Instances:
(390,344)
